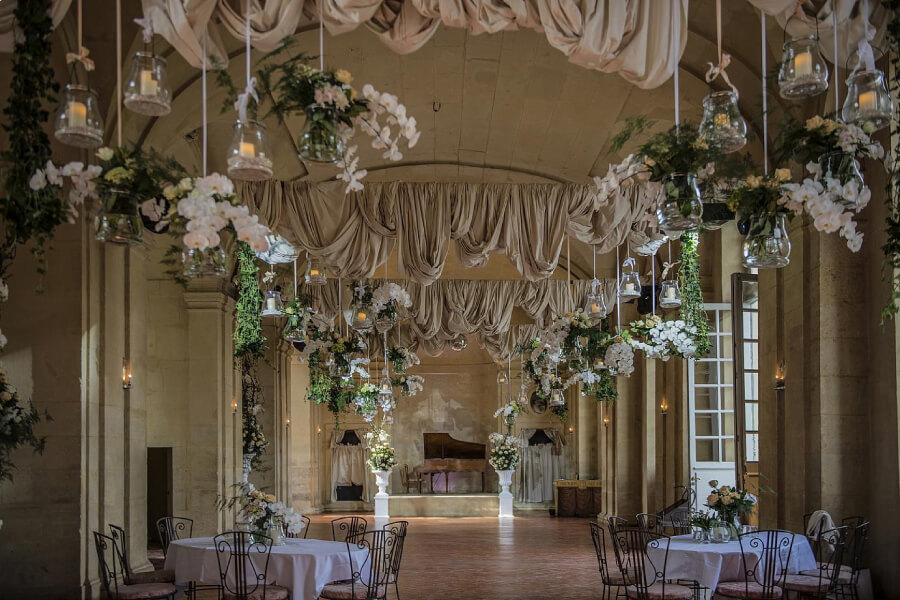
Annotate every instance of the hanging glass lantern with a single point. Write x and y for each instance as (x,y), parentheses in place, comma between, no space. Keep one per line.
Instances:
(597,308)
(522,399)
(501,377)
(387,418)
(868,100)
(280,251)
(383,325)
(803,71)
(315,273)
(599,364)
(249,157)
(118,220)
(362,320)
(320,140)
(147,87)
(769,248)
(78,120)
(722,124)
(556,398)
(385,387)
(459,343)
(273,304)
(199,263)
(670,294)
(630,285)
(679,208)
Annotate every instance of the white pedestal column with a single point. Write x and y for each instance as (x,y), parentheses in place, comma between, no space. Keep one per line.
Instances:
(506,498)
(382,479)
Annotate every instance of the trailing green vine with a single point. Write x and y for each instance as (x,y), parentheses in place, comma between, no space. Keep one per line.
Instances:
(692,311)
(891,247)
(249,347)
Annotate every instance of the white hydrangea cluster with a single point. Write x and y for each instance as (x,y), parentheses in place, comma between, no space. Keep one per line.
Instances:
(619,359)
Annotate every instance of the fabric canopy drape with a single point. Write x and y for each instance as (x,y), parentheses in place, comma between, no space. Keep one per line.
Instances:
(354,234)
(58,10)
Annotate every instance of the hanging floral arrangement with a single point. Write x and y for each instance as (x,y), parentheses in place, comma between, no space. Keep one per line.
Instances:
(409,385)
(365,400)
(620,356)
(17,421)
(387,299)
(692,310)
(299,317)
(891,247)
(661,339)
(402,359)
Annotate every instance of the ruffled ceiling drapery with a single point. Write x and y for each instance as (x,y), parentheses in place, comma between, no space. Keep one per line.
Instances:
(449,308)
(58,10)
(354,234)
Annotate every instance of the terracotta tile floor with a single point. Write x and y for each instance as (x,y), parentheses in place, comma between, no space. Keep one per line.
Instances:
(533,557)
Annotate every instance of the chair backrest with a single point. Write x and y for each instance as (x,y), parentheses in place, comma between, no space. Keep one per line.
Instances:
(173,528)
(598,536)
(369,579)
(304,533)
(120,547)
(398,528)
(766,555)
(346,528)
(404,474)
(642,557)
(831,554)
(679,520)
(615,522)
(243,563)
(854,550)
(649,522)
(107,557)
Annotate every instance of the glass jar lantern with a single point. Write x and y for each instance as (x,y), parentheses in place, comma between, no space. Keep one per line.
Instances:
(385,387)
(501,377)
(722,124)
(200,263)
(669,294)
(556,398)
(118,220)
(599,364)
(78,120)
(459,343)
(679,208)
(315,273)
(768,248)
(147,88)
(803,71)
(320,140)
(294,333)
(522,399)
(249,156)
(868,100)
(630,285)
(362,320)
(273,305)
(597,308)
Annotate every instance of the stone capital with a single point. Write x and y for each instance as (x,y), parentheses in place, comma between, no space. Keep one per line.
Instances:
(209,293)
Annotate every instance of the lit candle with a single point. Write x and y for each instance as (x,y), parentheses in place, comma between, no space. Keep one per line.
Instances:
(147,83)
(248,150)
(868,101)
(803,64)
(313,272)
(670,293)
(77,113)
(270,304)
(629,287)
(361,316)
(595,308)
(721,119)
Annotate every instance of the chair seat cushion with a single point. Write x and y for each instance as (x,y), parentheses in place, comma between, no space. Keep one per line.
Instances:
(658,592)
(160,576)
(741,589)
(805,583)
(615,577)
(843,576)
(346,591)
(272,592)
(145,591)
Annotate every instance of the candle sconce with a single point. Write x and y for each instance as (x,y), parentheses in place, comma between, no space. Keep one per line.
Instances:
(664,407)
(234,406)
(780,373)
(127,378)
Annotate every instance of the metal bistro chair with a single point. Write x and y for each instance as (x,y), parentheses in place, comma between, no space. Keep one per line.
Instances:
(173,528)
(821,582)
(370,579)
(399,530)
(346,528)
(203,591)
(645,577)
(611,577)
(120,545)
(848,578)
(649,522)
(240,576)
(107,556)
(303,534)
(764,573)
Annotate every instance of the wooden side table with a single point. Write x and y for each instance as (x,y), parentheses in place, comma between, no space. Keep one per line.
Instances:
(575,492)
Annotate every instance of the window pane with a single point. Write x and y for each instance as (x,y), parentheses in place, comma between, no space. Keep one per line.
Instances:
(729,449)
(750,294)
(727,398)
(725,321)
(713,347)
(728,423)
(707,450)
(726,346)
(751,356)
(751,416)
(705,372)
(705,398)
(707,424)
(751,386)
(751,325)
(752,447)
(727,371)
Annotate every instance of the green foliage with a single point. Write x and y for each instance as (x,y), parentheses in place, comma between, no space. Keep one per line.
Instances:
(891,247)
(248,337)
(692,310)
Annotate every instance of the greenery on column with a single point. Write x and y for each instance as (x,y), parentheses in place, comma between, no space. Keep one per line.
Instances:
(692,310)
(249,348)
(891,248)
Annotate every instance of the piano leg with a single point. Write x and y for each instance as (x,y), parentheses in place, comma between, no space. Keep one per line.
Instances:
(446,482)
(482,482)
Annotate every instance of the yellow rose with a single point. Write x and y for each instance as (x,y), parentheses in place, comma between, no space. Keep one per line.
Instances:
(830,125)
(724,489)
(782,174)
(712,499)
(814,122)
(726,500)
(753,181)
(343,76)
(714,483)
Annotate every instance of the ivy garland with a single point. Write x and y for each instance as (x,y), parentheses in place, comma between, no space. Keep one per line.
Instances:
(891,248)
(692,311)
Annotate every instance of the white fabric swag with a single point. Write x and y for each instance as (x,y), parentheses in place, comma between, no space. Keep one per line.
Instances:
(354,234)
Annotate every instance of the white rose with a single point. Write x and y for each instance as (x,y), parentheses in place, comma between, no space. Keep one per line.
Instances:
(105,153)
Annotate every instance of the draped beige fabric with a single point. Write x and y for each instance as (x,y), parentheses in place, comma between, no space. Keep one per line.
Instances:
(354,234)
(58,10)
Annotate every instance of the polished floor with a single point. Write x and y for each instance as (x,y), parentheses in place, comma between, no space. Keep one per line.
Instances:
(531,557)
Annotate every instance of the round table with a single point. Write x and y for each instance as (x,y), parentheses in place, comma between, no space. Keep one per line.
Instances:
(710,563)
(303,566)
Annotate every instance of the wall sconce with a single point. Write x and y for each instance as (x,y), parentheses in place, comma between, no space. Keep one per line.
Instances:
(127,379)
(664,407)
(287,422)
(605,420)
(780,373)
(571,429)
(319,429)
(234,406)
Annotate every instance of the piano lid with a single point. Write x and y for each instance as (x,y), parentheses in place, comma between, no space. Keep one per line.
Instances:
(443,445)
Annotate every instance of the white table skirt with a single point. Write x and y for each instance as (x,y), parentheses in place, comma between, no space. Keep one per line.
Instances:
(303,566)
(709,564)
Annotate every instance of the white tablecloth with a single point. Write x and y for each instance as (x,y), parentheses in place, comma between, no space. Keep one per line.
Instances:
(709,564)
(303,566)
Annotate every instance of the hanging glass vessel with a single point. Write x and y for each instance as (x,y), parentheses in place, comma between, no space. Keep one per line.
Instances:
(501,377)
(209,261)
(362,320)
(522,399)
(459,343)
(249,157)
(273,305)
(670,294)
(294,332)
(315,273)
(722,124)
(597,308)
(803,71)
(118,220)
(556,398)
(843,167)
(147,88)
(768,247)
(383,325)
(630,285)
(385,387)
(320,140)
(387,418)
(78,120)
(679,208)
(599,364)
(868,100)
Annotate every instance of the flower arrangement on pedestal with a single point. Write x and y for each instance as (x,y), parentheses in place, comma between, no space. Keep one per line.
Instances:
(504,452)
(17,421)
(658,338)
(381,455)
(729,502)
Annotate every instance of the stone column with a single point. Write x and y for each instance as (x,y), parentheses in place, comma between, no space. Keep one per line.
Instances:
(303,437)
(586,436)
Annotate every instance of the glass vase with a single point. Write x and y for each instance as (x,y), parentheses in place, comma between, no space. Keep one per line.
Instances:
(845,168)
(670,294)
(320,140)
(803,71)
(78,119)
(146,89)
(249,157)
(722,124)
(868,100)
(293,332)
(208,261)
(768,246)
(118,221)
(679,208)
(276,533)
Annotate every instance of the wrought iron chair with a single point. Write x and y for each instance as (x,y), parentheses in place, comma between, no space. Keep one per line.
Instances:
(650,522)
(765,556)
(399,530)
(203,591)
(303,534)
(612,578)
(108,558)
(244,565)
(370,579)
(679,521)
(642,559)
(173,528)
(848,578)
(120,543)
(347,528)
(823,581)
(410,480)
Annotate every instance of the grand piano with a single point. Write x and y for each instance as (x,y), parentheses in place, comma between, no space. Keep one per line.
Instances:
(444,454)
